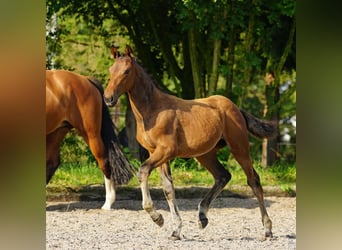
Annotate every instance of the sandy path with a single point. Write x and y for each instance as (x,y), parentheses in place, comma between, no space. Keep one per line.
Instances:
(234,223)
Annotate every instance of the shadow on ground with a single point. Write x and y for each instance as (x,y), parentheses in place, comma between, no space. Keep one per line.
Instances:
(92,197)
(97,193)
(135,205)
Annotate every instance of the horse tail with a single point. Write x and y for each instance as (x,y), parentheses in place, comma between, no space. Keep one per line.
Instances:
(258,127)
(121,170)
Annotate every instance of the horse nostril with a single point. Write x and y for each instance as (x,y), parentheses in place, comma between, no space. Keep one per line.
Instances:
(108,100)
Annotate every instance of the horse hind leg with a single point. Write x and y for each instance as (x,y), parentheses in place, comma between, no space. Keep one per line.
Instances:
(100,153)
(110,194)
(221,176)
(253,180)
(169,193)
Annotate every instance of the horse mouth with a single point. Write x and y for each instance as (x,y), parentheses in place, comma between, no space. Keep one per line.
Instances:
(110,101)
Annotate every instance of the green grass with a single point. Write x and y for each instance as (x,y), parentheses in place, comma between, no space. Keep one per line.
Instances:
(68,175)
(184,173)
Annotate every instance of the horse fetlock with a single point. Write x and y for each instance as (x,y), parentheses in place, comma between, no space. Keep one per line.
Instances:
(268,234)
(268,227)
(148,206)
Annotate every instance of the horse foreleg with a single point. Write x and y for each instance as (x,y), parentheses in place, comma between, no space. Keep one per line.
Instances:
(53,141)
(169,193)
(221,176)
(147,203)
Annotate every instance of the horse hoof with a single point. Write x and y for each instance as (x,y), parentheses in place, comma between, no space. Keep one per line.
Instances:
(159,220)
(202,223)
(268,234)
(174,237)
(106,208)
(203,220)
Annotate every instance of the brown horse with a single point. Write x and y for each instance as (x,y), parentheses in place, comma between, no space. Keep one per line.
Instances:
(75,101)
(170,127)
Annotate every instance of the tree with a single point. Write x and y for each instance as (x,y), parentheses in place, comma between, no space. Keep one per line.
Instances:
(192,48)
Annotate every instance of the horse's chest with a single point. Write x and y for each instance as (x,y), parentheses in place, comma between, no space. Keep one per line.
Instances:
(144,138)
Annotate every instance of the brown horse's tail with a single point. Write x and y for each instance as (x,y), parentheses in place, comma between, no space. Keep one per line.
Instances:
(258,127)
(122,170)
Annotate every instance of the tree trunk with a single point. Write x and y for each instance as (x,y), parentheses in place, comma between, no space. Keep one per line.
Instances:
(271,147)
(214,71)
(195,64)
(230,62)
(187,83)
(162,40)
(248,50)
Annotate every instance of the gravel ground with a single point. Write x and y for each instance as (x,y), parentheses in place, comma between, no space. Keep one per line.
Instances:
(234,223)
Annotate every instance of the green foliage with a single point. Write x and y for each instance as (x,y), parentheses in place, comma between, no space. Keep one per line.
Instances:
(74,176)
(75,151)
(80,45)
(184,173)
(253,35)
(159,31)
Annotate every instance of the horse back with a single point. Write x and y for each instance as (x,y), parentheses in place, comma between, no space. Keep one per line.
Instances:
(71,97)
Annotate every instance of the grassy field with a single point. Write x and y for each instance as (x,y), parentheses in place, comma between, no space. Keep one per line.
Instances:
(184,172)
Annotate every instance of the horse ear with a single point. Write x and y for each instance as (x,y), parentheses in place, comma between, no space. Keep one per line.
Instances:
(114,51)
(129,51)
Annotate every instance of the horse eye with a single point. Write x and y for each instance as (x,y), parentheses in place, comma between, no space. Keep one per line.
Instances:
(126,72)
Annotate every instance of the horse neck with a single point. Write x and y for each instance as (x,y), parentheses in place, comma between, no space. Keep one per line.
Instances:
(143,93)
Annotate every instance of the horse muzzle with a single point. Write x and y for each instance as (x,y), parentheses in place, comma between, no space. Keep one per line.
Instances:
(111,101)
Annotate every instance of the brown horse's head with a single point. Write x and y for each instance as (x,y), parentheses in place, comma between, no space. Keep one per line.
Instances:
(121,75)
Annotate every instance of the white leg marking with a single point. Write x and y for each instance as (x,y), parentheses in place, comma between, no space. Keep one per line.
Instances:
(110,194)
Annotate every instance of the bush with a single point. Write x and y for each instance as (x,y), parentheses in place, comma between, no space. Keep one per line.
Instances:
(75,151)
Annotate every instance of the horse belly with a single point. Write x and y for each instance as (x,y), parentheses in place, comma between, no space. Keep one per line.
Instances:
(198,140)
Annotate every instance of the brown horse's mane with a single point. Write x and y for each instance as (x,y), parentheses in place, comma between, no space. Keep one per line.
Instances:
(150,78)
(96,83)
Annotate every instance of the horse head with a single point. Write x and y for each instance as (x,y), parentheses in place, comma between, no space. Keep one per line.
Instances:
(121,75)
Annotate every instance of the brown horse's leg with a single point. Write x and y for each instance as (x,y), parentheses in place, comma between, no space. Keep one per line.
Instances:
(253,180)
(147,203)
(159,157)
(53,141)
(222,177)
(100,153)
(169,193)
